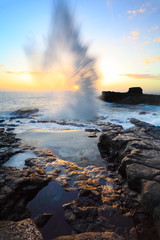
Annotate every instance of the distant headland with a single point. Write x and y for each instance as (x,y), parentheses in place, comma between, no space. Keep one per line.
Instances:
(133,96)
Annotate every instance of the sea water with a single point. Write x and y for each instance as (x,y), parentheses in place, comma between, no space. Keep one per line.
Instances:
(49,104)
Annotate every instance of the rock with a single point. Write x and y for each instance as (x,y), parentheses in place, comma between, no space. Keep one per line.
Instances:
(136,154)
(8,145)
(21,230)
(23,113)
(18,187)
(137,172)
(142,113)
(150,195)
(91,236)
(42,219)
(133,96)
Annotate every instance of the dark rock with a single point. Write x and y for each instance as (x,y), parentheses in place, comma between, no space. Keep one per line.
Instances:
(19,186)
(42,219)
(23,113)
(2,120)
(142,113)
(8,145)
(150,195)
(21,230)
(133,96)
(29,162)
(135,91)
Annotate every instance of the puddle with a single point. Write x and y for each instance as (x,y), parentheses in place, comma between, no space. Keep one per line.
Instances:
(50,200)
(18,160)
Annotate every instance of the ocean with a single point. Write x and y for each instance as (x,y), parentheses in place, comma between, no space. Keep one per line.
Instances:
(53,106)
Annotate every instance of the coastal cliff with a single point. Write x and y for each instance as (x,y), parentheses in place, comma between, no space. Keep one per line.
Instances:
(133,96)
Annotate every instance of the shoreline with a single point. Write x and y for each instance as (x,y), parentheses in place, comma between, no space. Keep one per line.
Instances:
(116,200)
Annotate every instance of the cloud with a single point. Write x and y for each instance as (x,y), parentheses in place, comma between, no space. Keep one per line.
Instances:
(133,13)
(1,65)
(157,39)
(142,76)
(134,35)
(155,59)
(19,73)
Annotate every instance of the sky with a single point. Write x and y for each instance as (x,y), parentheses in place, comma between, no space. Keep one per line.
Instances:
(123,36)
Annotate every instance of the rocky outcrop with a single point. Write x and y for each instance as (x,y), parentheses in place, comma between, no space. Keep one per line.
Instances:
(133,96)
(136,154)
(23,113)
(9,144)
(21,230)
(17,187)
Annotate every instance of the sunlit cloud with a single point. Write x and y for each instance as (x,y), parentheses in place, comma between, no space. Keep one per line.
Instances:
(134,35)
(142,76)
(24,72)
(1,65)
(133,13)
(155,59)
(157,39)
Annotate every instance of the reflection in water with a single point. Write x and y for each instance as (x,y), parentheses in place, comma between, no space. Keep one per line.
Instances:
(50,200)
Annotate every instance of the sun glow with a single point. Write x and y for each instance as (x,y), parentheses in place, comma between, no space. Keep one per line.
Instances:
(27,78)
(76,87)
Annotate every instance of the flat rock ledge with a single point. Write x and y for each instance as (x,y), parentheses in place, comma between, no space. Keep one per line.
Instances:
(25,229)
(135,153)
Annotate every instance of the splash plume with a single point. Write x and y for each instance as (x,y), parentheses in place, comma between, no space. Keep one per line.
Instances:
(65,52)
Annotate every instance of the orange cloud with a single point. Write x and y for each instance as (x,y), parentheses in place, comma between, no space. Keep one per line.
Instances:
(142,76)
(134,35)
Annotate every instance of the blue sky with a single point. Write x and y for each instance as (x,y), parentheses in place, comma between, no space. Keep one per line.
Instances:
(124,36)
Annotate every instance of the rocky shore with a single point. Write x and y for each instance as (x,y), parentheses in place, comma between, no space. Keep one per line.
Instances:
(133,96)
(120,202)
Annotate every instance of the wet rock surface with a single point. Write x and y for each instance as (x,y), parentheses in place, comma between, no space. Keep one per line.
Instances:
(136,154)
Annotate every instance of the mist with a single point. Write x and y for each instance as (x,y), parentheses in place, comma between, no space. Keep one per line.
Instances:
(67,61)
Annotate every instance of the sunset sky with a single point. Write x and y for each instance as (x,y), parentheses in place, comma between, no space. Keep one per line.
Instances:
(124,36)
